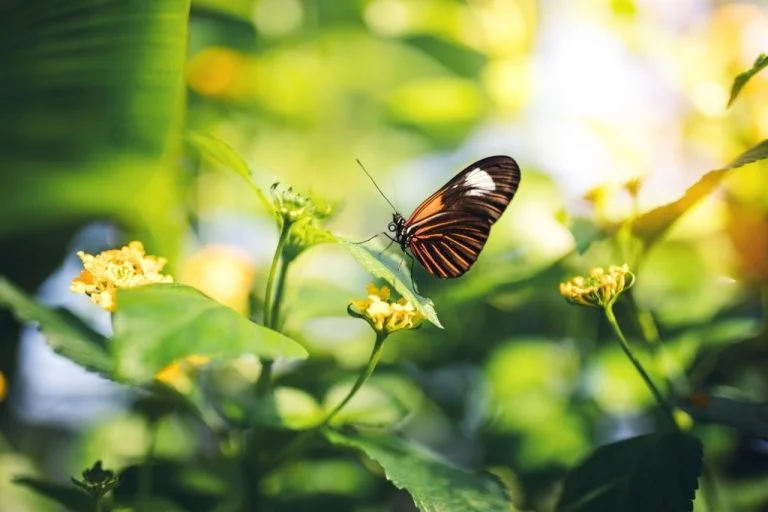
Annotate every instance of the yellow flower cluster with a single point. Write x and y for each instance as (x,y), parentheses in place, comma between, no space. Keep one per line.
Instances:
(600,289)
(127,267)
(177,374)
(384,315)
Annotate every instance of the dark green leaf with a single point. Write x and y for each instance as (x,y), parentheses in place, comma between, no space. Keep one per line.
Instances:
(65,495)
(221,152)
(742,78)
(157,324)
(434,485)
(395,272)
(753,154)
(65,333)
(656,472)
(91,97)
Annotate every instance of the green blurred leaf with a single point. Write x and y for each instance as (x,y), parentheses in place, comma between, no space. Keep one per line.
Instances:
(220,152)
(91,97)
(742,78)
(652,472)
(652,225)
(434,485)
(65,333)
(753,154)
(158,324)
(395,272)
(65,495)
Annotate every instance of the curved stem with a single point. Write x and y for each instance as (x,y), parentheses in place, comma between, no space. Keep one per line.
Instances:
(270,303)
(639,367)
(145,471)
(301,441)
(276,260)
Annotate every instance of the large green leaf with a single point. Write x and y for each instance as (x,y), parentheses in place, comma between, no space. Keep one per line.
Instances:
(91,95)
(742,78)
(434,485)
(394,271)
(652,225)
(64,333)
(656,472)
(157,324)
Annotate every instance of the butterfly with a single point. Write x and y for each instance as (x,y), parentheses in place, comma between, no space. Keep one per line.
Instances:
(447,231)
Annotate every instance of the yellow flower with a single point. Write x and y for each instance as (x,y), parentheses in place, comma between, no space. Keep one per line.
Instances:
(600,289)
(383,314)
(127,267)
(3,387)
(177,374)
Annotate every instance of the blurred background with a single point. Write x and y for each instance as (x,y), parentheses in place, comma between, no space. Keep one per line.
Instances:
(587,96)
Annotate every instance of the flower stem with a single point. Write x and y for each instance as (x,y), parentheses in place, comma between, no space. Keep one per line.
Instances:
(270,303)
(305,437)
(279,293)
(276,260)
(145,470)
(639,367)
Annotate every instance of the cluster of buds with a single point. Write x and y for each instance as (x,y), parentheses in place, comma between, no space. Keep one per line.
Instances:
(97,481)
(600,289)
(384,315)
(292,206)
(108,271)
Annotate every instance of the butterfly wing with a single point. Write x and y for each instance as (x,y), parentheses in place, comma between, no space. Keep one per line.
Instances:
(484,188)
(448,243)
(449,229)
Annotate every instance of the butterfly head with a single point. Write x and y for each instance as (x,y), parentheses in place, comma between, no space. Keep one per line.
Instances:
(397,228)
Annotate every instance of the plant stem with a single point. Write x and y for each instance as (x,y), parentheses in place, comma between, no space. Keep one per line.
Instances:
(276,260)
(639,367)
(99,503)
(145,471)
(301,441)
(279,294)
(270,303)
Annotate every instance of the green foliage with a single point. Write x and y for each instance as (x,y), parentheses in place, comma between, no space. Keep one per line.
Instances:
(650,472)
(742,78)
(191,324)
(434,485)
(89,86)
(67,496)
(65,333)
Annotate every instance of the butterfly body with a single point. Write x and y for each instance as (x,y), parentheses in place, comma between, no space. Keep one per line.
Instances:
(447,231)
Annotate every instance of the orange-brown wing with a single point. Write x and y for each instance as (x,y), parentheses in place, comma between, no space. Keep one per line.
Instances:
(448,243)
(484,188)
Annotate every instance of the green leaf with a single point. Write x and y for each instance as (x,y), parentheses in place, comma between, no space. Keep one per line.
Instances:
(434,485)
(656,472)
(158,324)
(65,333)
(91,98)
(652,225)
(395,272)
(753,154)
(65,495)
(220,152)
(742,78)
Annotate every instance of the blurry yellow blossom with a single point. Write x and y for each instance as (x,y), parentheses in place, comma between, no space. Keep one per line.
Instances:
(384,315)
(600,289)
(222,273)
(3,387)
(127,267)
(633,186)
(221,73)
(177,374)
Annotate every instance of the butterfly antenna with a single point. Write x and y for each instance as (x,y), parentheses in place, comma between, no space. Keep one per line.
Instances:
(375,184)
(367,239)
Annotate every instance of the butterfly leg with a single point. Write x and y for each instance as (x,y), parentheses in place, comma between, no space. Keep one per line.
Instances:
(413,260)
